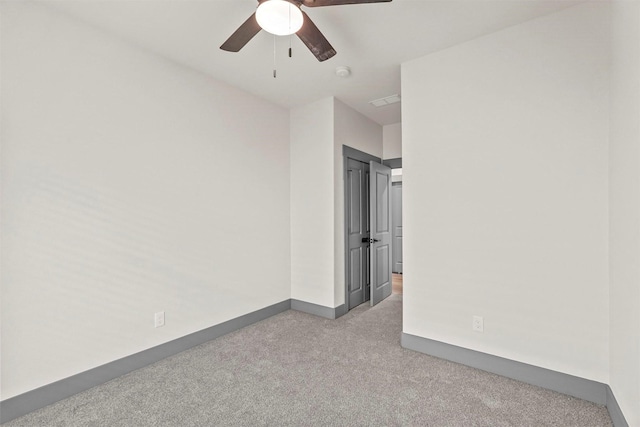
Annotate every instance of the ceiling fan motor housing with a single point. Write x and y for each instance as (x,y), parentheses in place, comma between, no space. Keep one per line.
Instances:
(279,17)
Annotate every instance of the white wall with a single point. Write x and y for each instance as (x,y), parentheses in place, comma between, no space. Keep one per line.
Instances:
(392,141)
(505,157)
(625,208)
(356,131)
(318,131)
(312,203)
(113,206)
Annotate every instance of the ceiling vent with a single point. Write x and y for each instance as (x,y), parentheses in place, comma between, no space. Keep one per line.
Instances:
(387,100)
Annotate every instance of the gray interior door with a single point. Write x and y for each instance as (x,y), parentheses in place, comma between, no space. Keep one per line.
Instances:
(380,237)
(357,199)
(396,220)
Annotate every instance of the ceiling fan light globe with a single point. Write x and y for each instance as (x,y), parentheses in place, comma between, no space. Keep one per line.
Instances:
(279,17)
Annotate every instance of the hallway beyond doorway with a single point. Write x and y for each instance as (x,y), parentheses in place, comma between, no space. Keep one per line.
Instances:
(396,283)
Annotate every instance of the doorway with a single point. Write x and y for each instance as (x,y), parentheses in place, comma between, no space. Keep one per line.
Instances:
(368,228)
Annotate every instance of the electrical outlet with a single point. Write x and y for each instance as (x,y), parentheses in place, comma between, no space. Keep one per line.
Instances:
(159,319)
(478,324)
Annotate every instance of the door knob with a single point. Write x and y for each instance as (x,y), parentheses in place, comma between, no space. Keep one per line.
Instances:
(372,240)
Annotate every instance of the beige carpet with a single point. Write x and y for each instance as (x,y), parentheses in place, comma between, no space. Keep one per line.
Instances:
(295,369)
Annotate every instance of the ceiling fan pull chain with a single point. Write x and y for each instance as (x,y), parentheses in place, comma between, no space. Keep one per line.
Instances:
(290,33)
(274,56)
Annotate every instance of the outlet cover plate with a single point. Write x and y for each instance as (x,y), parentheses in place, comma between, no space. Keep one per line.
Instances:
(478,324)
(159,319)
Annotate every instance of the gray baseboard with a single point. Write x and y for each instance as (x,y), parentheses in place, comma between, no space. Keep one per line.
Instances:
(614,410)
(341,311)
(35,399)
(582,388)
(318,310)
(567,384)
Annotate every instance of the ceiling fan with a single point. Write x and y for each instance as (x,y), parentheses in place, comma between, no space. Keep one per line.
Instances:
(285,17)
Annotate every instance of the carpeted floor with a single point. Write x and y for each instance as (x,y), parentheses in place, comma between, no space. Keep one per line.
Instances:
(295,369)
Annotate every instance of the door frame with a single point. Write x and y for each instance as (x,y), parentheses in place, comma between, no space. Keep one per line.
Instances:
(393,163)
(361,156)
(394,236)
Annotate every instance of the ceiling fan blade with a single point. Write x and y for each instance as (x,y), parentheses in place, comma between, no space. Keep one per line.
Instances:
(318,3)
(242,35)
(314,40)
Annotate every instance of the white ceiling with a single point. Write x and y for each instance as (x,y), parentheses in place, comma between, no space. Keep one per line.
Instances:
(372,39)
